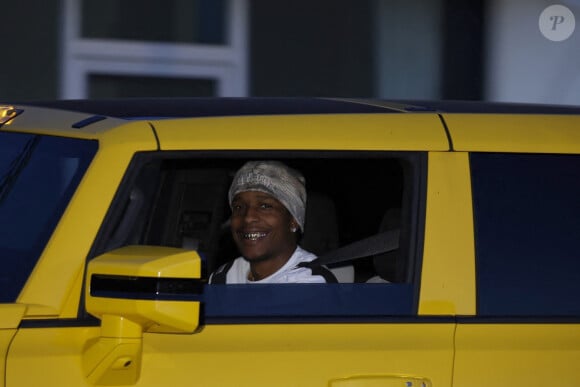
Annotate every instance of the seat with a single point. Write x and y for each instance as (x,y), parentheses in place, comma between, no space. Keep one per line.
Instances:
(387,265)
(321,232)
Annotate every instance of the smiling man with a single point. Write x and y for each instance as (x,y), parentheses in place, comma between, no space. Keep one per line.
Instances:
(268,202)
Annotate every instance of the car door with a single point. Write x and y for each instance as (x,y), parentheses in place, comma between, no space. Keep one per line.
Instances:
(525,182)
(255,341)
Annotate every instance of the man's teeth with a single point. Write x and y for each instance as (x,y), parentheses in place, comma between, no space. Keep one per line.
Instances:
(253,235)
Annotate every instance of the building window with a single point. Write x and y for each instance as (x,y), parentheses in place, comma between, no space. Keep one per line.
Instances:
(154,48)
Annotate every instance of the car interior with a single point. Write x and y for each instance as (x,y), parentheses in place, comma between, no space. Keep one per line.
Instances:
(179,199)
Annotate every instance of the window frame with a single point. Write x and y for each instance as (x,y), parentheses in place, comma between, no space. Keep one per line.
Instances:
(413,204)
(227,64)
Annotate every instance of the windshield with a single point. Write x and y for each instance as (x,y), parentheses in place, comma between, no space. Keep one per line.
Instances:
(38,176)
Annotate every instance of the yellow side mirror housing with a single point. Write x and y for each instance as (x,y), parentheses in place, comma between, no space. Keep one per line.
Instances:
(138,289)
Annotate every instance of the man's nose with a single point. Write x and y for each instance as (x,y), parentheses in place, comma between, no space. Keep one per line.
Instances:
(251,214)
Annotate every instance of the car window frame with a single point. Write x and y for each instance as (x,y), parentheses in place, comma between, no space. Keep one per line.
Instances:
(413,202)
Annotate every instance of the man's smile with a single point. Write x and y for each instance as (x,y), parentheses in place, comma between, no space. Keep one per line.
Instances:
(252,236)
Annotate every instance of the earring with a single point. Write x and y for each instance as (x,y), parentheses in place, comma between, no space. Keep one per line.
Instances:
(293,229)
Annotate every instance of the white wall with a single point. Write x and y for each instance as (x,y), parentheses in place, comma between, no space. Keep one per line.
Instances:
(523,65)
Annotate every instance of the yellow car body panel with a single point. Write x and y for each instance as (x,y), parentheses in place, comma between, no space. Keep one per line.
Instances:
(57,272)
(289,354)
(535,133)
(6,336)
(10,318)
(448,274)
(516,354)
(371,132)
(305,355)
(49,356)
(11,315)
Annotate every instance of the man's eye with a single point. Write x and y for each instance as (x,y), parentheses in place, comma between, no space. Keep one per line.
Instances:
(265,206)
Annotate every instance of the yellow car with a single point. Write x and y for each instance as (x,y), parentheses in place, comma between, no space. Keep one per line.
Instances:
(453,229)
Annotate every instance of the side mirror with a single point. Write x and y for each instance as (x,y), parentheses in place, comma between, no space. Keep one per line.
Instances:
(138,289)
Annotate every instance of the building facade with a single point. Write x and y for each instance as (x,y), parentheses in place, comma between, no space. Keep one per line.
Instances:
(442,49)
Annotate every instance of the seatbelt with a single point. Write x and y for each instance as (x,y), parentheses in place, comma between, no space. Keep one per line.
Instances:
(375,244)
(220,275)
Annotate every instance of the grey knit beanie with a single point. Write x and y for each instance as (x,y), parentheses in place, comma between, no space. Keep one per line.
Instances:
(285,184)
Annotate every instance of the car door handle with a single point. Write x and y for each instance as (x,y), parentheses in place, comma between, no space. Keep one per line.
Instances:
(381,380)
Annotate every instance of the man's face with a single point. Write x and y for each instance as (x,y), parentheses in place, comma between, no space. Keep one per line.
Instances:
(261,227)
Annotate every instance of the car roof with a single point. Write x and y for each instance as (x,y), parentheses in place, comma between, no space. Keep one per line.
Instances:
(147,108)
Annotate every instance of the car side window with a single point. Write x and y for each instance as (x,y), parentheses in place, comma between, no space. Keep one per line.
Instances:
(351,196)
(527,228)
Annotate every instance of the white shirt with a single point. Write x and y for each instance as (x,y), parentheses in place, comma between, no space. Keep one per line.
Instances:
(289,273)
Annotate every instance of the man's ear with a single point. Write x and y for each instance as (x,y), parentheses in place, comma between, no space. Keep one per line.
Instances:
(294,225)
